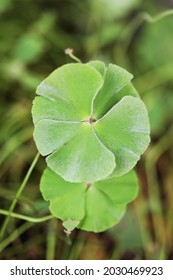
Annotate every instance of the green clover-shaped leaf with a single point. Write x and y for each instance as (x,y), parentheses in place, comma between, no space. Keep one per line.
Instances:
(89,206)
(90,122)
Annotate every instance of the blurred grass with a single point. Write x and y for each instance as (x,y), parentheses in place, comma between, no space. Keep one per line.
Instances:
(33,37)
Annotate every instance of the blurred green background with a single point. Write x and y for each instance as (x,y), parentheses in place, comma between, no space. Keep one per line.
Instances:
(33,37)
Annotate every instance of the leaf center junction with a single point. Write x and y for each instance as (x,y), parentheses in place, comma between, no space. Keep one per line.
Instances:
(90,120)
(89,185)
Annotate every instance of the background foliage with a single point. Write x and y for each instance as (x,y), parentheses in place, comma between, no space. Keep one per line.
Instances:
(33,37)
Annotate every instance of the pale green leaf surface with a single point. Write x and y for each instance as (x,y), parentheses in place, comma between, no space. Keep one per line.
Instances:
(101,212)
(52,185)
(97,206)
(50,135)
(70,225)
(66,199)
(84,158)
(99,66)
(61,206)
(114,79)
(121,189)
(44,108)
(75,83)
(125,131)
(127,90)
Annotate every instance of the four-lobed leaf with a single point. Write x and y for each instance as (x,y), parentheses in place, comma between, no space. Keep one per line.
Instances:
(90,122)
(92,127)
(89,206)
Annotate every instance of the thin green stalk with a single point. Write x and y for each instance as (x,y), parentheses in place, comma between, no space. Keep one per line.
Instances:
(26,218)
(14,235)
(128,33)
(69,52)
(77,246)
(154,196)
(21,188)
(51,240)
(158,17)
(146,238)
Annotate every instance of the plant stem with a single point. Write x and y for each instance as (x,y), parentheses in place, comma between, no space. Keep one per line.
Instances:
(26,218)
(158,17)
(21,188)
(51,240)
(14,235)
(69,52)
(146,238)
(129,31)
(158,219)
